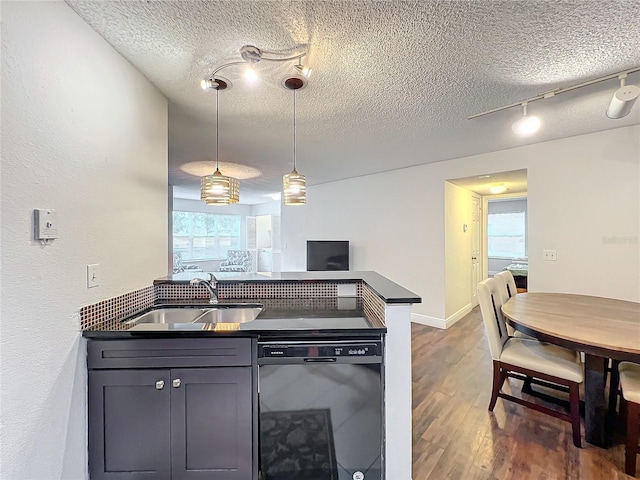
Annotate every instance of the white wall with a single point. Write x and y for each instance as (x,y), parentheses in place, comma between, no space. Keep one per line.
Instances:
(84,133)
(457,249)
(267,208)
(582,192)
(184,205)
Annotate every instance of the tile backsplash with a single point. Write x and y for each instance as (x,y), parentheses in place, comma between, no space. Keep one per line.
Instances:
(108,314)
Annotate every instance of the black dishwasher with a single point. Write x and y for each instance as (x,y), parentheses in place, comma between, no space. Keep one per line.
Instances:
(321,409)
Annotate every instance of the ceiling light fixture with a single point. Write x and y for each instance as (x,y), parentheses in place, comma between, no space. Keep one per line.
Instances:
(216,189)
(527,125)
(252,55)
(294,185)
(620,105)
(498,188)
(623,99)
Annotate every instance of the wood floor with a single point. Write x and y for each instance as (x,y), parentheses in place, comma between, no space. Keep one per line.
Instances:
(455,437)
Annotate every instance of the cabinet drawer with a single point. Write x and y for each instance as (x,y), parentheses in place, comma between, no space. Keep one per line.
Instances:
(170,352)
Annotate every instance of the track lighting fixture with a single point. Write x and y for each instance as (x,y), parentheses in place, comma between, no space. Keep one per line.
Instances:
(527,125)
(623,99)
(217,189)
(251,56)
(619,107)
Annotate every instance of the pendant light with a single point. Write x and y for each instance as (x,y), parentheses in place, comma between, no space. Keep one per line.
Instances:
(294,185)
(217,189)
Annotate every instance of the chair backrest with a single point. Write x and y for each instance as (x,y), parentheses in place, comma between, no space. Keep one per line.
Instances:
(506,285)
(490,306)
(178,266)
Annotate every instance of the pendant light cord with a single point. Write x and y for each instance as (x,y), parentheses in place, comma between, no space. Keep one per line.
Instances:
(217,126)
(294,130)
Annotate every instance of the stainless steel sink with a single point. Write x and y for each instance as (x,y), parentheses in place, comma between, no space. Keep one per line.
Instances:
(222,313)
(230,313)
(168,315)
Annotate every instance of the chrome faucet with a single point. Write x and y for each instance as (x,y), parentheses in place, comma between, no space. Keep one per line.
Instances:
(211,285)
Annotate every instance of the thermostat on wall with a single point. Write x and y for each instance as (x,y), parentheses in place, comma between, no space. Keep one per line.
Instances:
(46,224)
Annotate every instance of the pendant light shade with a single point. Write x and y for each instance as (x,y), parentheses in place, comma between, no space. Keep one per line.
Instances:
(217,189)
(295,188)
(294,185)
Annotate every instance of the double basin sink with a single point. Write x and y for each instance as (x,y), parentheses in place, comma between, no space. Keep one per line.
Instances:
(218,313)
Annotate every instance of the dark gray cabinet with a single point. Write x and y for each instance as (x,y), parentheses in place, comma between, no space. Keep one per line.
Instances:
(188,422)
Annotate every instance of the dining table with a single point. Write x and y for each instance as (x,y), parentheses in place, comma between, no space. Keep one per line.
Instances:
(602,328)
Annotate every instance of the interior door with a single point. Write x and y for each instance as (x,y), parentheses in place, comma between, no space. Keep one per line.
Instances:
(476,245)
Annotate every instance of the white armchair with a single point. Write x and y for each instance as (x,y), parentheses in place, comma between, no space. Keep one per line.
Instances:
(237,261)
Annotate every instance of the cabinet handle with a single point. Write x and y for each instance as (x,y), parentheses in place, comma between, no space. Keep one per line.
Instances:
(160,384)
(176,383)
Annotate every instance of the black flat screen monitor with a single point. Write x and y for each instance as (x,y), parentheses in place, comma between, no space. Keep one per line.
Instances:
(327,255)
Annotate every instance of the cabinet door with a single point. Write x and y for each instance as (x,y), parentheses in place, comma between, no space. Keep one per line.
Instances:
(212,426)
(129,429)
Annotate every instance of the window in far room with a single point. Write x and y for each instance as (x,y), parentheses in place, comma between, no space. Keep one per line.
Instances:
(205,236)
(506,233)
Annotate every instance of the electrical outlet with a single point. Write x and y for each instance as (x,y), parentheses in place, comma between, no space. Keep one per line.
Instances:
(549,255)
(93,275)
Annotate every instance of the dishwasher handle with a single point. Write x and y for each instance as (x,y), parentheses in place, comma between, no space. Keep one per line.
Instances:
(321,360)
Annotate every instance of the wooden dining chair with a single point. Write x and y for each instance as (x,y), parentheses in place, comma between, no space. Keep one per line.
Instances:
(528,357)
(630,384)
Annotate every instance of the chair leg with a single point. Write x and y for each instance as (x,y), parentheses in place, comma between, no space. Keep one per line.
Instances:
(631,447)
(498,380)
(574,413)
(613,387)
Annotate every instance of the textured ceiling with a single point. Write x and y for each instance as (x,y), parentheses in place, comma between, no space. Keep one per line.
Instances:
(393,82)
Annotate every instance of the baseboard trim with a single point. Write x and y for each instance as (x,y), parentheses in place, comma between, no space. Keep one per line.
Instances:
(428,321)
(441,322)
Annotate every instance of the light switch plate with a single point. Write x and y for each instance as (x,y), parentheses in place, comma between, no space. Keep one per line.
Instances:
(93,275)
(549,255)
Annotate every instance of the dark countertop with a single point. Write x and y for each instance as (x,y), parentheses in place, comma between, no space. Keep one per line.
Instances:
(388,291)
(301,318)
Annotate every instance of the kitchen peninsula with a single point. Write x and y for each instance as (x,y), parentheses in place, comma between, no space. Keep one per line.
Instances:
(308,306)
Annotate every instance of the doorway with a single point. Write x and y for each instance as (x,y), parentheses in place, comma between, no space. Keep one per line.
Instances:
(263,241)
(488,248)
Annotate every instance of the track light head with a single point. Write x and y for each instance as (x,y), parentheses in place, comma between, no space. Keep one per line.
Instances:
(623,100)
(304,70)
(215,84)
(527,125)
(207,84)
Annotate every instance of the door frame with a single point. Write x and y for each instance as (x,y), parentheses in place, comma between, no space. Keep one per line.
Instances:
(479,231)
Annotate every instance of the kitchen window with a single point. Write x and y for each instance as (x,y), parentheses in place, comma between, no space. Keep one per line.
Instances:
(205,236)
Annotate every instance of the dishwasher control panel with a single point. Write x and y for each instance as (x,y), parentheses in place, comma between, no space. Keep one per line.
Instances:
(319,351)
